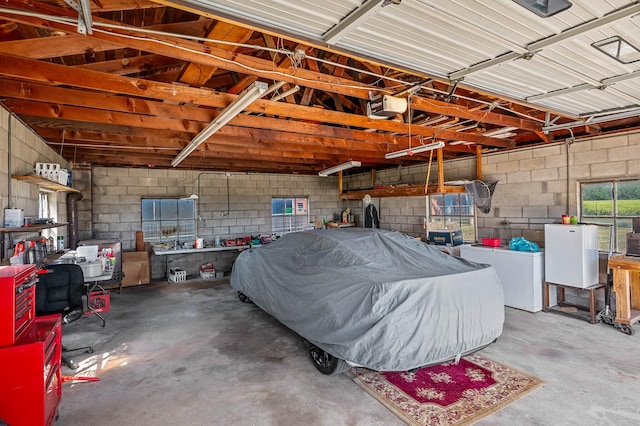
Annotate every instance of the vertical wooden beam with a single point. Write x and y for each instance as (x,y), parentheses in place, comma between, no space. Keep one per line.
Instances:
(440,171)
(340,182)
(479,162)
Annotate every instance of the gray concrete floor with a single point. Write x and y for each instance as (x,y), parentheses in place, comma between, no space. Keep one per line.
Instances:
(192,354)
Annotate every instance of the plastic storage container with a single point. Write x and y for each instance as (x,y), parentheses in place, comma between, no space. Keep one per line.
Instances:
(491,242)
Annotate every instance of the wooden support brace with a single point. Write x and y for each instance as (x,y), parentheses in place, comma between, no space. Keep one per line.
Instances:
(479,162)
(440,171)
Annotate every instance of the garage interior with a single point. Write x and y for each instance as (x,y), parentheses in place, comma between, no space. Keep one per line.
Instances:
(259,118)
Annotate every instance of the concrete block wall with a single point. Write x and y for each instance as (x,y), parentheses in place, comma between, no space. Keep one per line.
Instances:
(533,188)
(532,184)
(26,150)
(405,214)
(117,192)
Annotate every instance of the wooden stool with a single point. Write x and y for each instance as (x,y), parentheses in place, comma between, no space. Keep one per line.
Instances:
(561,302)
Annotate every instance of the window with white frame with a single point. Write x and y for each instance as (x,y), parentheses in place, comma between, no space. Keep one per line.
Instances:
(612,203)
(453,209)
(168,219)
(289,214)
(43,205)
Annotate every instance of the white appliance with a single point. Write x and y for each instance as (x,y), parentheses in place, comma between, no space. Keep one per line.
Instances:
(571,255)
(521,274)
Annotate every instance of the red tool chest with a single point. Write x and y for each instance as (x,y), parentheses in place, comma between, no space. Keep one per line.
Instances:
(30,352)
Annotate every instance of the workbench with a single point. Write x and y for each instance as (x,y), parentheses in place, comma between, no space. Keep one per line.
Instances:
(192,253)
(626,286)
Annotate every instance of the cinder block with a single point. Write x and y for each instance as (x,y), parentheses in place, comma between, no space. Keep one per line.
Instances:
(519,177)
(589,157)
(622,153)
(544,174)
(611,142)
(608,170)
(545,199)
(536,211)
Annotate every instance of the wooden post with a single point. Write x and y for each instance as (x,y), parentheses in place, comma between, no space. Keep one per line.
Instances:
(440,171)
(479,162)
(340,182)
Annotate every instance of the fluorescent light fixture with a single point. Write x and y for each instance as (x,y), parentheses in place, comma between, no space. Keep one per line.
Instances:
(355,18)
(339,168)
(544,8)
(253,92)
(619,49)
(415,150)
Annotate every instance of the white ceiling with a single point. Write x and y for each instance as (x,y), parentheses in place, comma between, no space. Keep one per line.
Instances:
(482,42)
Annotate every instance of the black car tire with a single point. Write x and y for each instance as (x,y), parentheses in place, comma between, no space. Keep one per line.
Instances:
(244,298)
(325,362)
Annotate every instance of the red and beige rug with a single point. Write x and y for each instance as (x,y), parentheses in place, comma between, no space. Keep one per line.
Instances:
(448,394)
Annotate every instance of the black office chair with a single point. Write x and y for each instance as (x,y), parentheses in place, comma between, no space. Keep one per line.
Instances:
(61,290)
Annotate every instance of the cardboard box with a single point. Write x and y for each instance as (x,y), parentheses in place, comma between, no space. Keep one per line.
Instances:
(443,237)
(136,268)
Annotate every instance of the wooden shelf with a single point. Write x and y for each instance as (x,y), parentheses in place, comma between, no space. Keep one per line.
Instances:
(33,228)
(410,190)
(44,183)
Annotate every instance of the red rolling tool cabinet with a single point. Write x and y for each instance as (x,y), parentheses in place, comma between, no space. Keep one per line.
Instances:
(30,352)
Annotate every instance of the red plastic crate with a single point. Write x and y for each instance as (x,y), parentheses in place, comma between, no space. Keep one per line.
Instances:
(491,242)
(100,301)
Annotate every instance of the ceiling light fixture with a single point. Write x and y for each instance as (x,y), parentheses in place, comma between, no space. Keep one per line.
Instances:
(619,49)
(339,168)
(416,150)
(545,8)
(253,92)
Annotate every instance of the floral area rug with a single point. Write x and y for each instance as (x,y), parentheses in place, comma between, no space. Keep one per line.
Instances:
(449,393)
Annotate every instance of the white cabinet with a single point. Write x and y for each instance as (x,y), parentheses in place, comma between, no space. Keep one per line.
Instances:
(571,255)
(521,274)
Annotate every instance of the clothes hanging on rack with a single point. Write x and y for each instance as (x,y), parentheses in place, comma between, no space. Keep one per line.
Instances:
(371,217)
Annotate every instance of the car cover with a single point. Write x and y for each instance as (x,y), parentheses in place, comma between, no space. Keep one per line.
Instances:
(378,299)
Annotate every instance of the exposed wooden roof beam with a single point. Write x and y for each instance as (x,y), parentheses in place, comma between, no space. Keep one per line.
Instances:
(51,73)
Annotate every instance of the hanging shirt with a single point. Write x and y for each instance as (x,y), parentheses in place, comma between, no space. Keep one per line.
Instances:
(371,217)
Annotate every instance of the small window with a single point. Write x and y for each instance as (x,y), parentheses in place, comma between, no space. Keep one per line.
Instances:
(453,209)
(168,219)
(43,205)
(619,49)
(612,203)
(289,215)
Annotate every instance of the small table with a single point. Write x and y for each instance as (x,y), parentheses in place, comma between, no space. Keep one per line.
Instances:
(626,285)
(561,303)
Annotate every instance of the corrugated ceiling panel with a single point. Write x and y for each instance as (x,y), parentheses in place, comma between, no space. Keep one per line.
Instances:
(585,102)
(419,42)
(305,17)
(439,37)
(524,77)
(630,87)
